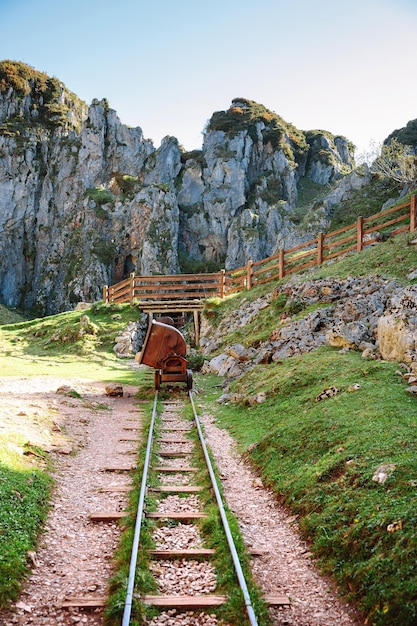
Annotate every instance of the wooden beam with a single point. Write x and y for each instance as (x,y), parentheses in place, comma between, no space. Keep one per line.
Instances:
(177,489)
(196,327)
(277,599)
(107,516)
(177,516)
(186,553)
(173,440)
(184,602)
(174,453)
(180,468)
(119,468)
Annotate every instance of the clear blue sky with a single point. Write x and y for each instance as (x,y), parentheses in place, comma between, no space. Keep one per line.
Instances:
(346,66)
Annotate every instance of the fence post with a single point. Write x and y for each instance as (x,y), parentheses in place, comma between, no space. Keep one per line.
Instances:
(110,294)
(413,213)
(132,287)
(319,248)
(281,263)
(359,234)
(222,281)
(249,274)
(105,294)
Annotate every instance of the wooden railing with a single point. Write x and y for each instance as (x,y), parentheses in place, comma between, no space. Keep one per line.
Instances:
(366,231)
(173,287)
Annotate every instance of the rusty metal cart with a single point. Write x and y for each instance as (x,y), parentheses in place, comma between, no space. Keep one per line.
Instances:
(164,349)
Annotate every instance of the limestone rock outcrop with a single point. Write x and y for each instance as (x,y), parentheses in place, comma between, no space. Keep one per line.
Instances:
(397,328)
(373,315)
(86,200)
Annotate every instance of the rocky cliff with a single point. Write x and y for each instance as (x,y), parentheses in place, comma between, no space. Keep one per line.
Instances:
(85,200)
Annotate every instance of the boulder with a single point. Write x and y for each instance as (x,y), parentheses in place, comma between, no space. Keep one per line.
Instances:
(396,340)
(349,335)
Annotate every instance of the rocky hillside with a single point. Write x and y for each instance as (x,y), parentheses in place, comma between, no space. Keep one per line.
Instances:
(85,200)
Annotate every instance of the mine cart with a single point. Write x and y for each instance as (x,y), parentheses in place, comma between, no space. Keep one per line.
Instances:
(164,349)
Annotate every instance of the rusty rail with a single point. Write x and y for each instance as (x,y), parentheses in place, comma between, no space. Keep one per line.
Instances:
(188,287)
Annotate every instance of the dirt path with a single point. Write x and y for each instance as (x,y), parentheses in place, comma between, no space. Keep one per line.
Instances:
(74,557)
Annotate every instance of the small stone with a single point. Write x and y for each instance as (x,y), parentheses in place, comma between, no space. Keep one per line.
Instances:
(383,472)
(354,387)
(113,390)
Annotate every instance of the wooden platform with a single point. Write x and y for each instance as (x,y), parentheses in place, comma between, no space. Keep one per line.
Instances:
(194,306)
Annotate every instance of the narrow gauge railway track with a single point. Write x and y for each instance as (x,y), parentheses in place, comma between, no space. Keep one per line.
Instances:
(185,576)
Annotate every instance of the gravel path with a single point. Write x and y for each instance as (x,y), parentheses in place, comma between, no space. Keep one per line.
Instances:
(286,567)
(74,557)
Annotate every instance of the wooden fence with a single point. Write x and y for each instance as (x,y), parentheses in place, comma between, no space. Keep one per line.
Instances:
(186,287)
(366,231)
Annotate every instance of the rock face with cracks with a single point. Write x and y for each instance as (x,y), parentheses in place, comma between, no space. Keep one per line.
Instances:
(86,200)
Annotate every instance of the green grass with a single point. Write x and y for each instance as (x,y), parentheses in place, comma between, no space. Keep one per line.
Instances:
(72,344)
(24,497)
(51,346)
(320,457)
(10,316)
(394,258)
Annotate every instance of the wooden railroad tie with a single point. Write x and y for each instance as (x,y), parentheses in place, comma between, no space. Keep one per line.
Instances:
(177,489)
(185,553)
(194,602)
(133,439)
(184,602)
(180,602)
(173,440)
(173,453)
(176,515)
(180,468)
(119,468)
(83,603)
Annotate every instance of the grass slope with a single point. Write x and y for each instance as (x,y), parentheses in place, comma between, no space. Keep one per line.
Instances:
(320,457)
